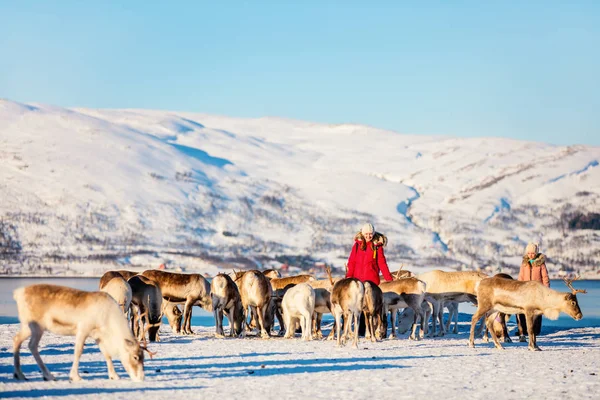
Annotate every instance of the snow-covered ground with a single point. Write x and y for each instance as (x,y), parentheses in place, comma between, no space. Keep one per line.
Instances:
(201,366)
(85,190)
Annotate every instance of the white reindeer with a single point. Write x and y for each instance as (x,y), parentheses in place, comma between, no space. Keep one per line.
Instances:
(299,304)
(65,311)
(119,289)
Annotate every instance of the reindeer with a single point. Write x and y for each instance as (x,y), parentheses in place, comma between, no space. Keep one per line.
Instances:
(256,293)
(226,299)
(523,297)
(448,286)
(372,309)
(407,316)
(65,311)
(271,273)
(280,283)
(298,305)
(173,314)
(108,275)
(187,289)
(119,289)
(347,300)
(407,292)
(322,289)
(147,299)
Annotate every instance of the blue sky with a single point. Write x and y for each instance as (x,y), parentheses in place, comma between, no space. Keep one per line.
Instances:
(527,70)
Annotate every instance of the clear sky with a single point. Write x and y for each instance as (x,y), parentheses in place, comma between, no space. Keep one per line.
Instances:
(522,69)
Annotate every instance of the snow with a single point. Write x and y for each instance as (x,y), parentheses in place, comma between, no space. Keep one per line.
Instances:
(201,366)
(191,190)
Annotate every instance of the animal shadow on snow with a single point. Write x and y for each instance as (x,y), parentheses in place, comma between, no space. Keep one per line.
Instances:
(51,392)
(284,367)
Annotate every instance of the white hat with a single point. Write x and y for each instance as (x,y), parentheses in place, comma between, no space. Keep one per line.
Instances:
(532,248)
(367,228)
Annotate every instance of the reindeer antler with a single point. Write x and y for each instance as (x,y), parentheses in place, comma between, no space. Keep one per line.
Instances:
(398,272)
(145,348)
(328,271)
(569,283)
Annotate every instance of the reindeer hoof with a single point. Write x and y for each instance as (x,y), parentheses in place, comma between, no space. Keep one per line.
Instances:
(507,339)
(535,349)
(472,345)
(74,378)
(115,377)
(219,336)
(19,376)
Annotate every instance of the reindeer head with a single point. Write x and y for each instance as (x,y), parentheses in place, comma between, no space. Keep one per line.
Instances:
(132,358)
(571,303)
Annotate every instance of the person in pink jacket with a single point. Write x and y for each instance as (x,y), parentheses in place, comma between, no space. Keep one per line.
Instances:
(367,258)
(533,268)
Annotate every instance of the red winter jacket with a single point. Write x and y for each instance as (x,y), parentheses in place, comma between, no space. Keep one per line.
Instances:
(365,265)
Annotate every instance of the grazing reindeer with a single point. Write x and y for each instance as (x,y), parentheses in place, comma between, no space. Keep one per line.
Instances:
(406,317)
(298,305)
(408,292)
(448,286)
(372,309)
(497,321)
(523,297)
(187,289)
(108,275)
(256,293)
(119,289)
(226,299)
(347,300)
(173,314)
(147,298)
(65,311)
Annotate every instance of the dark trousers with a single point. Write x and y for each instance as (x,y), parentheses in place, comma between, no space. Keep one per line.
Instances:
(522,325)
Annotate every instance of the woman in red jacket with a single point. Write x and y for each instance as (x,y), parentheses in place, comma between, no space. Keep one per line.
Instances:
(533,268)
(366,258)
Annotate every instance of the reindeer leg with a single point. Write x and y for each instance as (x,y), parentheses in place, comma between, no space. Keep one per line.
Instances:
(112,374)
(187,317)
(414,324)
(338,324)
(36,335)
(507,338)
(23,334)
(532,339)
(261,320)
(79,342)
(482,309)
(220,333)
(489,325)
(356,322)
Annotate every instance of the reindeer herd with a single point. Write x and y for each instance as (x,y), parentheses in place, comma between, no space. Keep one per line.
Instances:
(130,307)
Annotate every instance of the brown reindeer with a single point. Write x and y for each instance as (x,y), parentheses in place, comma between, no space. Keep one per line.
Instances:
(108,275)
(448,286)
(147,299)
(523,297)
(256,293)
(280,283)
(187,289)
(226,300)
(407,292)
(373,309)
(347,301)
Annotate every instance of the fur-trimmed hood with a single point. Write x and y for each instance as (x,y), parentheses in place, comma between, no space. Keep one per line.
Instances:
(379,239)
(539,260)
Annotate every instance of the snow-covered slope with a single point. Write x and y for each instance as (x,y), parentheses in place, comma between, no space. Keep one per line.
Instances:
(86,187)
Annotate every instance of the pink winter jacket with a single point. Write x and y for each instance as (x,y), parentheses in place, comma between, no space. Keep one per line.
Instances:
(535,270)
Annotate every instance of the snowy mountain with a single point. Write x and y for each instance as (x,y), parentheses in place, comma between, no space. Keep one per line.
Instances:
(85,189)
